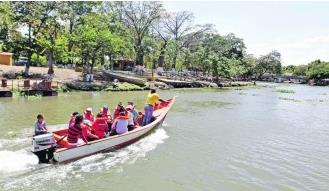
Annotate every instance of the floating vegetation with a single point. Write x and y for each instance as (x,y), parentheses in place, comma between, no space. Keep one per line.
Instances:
(208,104)
(34,97)
(289,99)
(124,87)
(284,91)
(267,85)
(63,89)
(16,93)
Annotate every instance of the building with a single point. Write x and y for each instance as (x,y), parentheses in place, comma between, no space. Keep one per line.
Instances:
(6,58)
(123,64)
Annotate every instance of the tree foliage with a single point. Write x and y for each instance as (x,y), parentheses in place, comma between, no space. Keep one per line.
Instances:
(87,33)
(318,70)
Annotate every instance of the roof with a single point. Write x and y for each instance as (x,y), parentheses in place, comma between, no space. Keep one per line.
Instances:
(6,53)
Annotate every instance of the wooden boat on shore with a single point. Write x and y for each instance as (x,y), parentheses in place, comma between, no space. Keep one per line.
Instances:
(61,153)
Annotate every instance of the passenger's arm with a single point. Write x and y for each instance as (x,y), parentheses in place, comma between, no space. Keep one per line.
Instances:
(45,128)
(92,135)
(36,128)
(84,135)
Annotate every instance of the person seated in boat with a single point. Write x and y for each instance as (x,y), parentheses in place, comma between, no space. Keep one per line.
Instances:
(72,120)
(130,115)
(75,132)
(120,124)
(134,111)
(139,120)
(105,112)
(118,109)
(100,126)
(87,131)
(40,126)
(151,100)
(88,115)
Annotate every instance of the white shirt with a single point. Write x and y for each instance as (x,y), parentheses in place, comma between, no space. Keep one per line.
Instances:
(131,118)
(121,126)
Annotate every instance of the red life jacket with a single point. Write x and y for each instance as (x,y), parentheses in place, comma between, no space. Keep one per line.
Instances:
(71,122)
(100,126)
(105,114)
(74,132)
(122,117)
(86,132)
(117,112)
(88,116)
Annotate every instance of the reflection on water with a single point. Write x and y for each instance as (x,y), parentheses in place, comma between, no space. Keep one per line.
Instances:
(219,139)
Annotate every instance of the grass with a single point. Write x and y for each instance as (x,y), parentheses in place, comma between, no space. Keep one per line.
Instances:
(124,87)
(284,91)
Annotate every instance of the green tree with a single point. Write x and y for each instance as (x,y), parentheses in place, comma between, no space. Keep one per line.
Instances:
(300,70)
(318,70)
(139,17)
(95,40)
(33,16)
(7,26)
(71,13)
(269,63)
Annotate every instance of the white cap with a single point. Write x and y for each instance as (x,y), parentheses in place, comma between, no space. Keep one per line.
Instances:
(89,109)
(130,107)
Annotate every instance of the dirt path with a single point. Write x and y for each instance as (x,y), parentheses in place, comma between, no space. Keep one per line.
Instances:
(61,75)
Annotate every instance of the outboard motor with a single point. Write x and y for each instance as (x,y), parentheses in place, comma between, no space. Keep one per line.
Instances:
(44,146)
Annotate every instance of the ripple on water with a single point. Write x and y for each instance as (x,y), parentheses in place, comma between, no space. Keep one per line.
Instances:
(39,175)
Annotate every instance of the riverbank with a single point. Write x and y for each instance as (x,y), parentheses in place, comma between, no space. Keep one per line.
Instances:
(70,80)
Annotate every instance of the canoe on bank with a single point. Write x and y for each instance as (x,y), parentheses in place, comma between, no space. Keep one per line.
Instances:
(61,153)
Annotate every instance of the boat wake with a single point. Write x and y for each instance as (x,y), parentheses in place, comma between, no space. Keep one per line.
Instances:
(35,176)
(13,161)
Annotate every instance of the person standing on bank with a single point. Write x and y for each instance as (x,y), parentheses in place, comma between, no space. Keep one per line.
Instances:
(152,98)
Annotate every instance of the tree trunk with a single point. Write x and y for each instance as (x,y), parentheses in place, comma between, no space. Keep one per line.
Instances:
(174,61)
(139,52)
(175,56)
(92,65)
(29,54)
(111,65)
(51,59)
(70,44)
(103,60)
(161,59)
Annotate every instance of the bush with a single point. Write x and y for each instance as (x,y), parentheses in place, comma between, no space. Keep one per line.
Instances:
(318,70)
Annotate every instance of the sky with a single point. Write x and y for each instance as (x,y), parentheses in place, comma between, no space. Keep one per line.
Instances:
(298,30)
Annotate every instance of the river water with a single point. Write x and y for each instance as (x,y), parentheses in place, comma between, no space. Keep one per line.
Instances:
(256,138)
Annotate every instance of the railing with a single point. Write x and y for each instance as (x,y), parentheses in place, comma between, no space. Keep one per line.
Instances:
(6,86)
(44,85)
